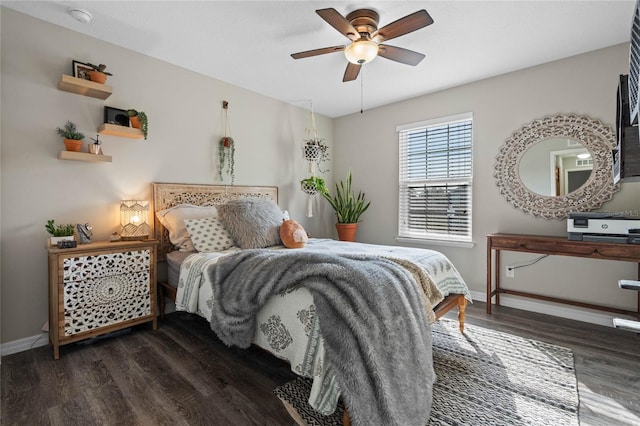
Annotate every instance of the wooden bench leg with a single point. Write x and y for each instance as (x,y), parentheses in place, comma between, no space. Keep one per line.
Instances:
(346,420)
(462,307)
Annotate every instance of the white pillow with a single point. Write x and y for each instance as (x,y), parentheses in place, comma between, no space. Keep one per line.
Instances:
(173,220)
(208,234)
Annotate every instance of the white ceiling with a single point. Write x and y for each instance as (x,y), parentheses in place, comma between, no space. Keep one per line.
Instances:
(248,43)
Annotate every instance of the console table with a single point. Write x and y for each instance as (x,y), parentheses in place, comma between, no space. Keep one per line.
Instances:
(557,246)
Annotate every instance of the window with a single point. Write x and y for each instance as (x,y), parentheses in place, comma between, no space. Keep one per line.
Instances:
(436,179)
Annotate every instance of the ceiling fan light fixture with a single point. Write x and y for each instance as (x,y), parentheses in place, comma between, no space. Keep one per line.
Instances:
(361,51)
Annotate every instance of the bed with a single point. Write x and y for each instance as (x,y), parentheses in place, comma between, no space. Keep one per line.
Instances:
(287,322)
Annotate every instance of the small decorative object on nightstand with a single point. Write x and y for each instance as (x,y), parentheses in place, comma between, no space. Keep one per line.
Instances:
(100,287)
(85,233)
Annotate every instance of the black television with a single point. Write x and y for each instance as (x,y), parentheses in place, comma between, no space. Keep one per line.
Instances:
(626,155)
(634,66)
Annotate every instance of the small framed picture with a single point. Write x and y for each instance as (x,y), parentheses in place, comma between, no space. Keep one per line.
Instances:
(116,116)
(81,70)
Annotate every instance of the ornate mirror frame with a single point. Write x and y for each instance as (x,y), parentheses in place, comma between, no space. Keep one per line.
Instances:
(597,137)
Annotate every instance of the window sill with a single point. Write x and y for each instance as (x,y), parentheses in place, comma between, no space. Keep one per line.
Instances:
(430,242)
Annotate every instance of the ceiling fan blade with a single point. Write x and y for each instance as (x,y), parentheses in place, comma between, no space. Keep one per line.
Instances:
(402,26)
(339,22)
(316,52)
(400,54)
(352,71)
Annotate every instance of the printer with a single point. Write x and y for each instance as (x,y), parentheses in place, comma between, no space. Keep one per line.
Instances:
(603,227)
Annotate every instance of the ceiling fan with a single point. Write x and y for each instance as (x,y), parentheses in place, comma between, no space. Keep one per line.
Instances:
(361,27)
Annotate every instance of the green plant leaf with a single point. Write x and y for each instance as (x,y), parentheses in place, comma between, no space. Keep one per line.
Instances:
(347,206)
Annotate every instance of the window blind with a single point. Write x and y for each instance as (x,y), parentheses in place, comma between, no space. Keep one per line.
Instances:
(435,182)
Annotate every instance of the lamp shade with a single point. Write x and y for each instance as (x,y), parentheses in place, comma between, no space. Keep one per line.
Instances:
(361,51)
(134,216)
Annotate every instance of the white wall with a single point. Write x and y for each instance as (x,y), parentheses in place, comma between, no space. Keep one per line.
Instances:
(585,84)
(185,124)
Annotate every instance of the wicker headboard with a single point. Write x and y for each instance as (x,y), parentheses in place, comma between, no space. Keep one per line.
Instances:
(166,195)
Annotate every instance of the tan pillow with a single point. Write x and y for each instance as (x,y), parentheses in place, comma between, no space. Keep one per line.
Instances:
(173,220)
(293,234)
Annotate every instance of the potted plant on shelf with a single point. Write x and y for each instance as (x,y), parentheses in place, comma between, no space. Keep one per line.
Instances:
(59,232)
(139,120)
(98,73)
(72,137)
(348,208)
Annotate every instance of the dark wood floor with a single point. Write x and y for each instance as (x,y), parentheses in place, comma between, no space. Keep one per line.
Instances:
(123,380)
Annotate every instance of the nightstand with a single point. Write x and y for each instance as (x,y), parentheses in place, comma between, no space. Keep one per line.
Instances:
(100,287)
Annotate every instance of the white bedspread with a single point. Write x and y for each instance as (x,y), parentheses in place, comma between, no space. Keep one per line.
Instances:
(287,325)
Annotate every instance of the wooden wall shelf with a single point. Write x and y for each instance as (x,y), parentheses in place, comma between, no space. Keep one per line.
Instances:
(84,87)
(84,156)
(121,131)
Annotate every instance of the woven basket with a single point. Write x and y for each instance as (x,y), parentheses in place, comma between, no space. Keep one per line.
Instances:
(311,152)
(309,188)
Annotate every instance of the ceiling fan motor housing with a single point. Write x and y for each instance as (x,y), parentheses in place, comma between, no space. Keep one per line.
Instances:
(365,21)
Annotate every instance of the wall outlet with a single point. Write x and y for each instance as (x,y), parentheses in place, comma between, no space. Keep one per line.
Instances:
(511,271)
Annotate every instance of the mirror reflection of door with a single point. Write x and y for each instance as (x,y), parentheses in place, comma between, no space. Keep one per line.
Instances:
(552,167)
(576,178)
(572,169)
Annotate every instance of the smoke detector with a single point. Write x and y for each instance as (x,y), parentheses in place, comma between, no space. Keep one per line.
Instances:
(81,15)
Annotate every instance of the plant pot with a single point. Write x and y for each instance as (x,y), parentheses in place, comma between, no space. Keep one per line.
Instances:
(347,231)
(135,122)
(73,145)
(94,148)
(309,188)
(226,142)
(54,240)
(97,77)
(311,152)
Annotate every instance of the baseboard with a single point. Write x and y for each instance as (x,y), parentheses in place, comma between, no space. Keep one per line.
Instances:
(42,339)
(511,302)
(24,344)
(554,309)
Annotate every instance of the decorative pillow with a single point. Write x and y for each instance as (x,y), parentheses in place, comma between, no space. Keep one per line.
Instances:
(173,220)
(293,234)
(208,234)
(252,222)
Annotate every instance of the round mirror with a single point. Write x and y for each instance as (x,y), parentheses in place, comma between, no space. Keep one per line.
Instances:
(557,165)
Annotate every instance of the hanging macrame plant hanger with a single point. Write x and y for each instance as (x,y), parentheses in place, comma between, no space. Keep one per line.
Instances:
(226,148)
(311,153)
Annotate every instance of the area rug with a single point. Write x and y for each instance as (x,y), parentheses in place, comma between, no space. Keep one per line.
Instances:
(484,377)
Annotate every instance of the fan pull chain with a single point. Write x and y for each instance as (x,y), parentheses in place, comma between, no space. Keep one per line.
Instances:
(361,89)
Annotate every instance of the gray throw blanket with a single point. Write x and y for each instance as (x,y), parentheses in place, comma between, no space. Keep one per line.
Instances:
(372,320)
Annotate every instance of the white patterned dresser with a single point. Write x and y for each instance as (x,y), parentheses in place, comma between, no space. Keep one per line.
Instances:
(100,287)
